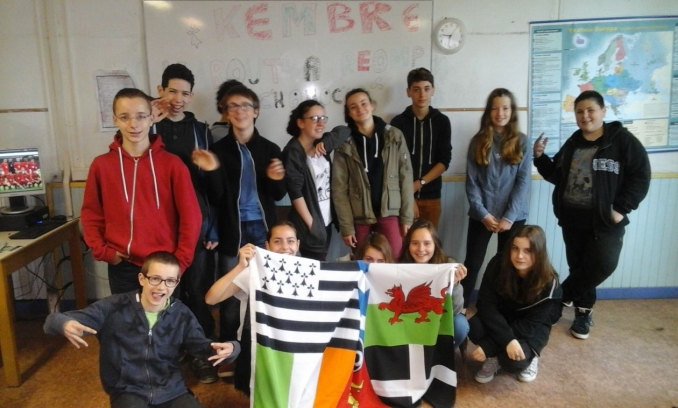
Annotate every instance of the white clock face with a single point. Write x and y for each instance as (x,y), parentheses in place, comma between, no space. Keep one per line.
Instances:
(450,35)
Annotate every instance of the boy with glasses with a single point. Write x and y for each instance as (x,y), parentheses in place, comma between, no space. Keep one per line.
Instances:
(140,334)
(247,178)
(139,198)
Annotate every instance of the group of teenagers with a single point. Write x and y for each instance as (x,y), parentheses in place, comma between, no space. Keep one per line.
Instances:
(175,200)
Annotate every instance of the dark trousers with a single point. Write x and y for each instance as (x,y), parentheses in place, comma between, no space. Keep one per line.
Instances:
(123,277)
(592,257)
(477,239)
(194,284)
(480,336)
(132,401)
(253,232)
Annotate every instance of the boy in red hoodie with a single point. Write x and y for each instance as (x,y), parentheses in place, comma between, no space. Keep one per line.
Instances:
(139,198)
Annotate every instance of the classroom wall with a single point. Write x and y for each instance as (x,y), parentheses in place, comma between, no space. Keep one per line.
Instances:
(51,50)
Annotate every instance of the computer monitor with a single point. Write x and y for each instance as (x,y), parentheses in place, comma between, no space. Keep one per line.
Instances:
(20,176)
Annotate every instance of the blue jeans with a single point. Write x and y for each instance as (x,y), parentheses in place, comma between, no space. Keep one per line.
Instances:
(461,328)
(123,277)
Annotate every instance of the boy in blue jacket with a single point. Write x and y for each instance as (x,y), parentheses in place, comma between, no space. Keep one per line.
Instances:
(140,334)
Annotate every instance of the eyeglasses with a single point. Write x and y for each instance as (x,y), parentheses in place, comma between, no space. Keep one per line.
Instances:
(155,281)
(234,108)
(140,117)
(318,118)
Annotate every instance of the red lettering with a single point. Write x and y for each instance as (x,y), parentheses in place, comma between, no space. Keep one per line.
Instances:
(338,12)
(411,21)
(253,22)
(363,60)
(369,15)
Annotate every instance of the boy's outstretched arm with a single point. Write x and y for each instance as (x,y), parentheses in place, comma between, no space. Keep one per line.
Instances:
(74,331)
(225,351)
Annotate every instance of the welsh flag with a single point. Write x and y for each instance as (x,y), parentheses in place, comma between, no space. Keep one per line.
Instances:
(409,339)
(306,323)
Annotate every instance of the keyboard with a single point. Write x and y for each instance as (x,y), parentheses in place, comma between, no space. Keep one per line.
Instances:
(37,230)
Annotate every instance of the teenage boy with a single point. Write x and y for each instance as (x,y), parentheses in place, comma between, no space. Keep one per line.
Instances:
(428,136)
(138,199)
(140,334)
(247,178)
(221,128)
(182,133)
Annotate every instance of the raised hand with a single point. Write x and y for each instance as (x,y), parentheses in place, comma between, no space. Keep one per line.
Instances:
(539,146)
(159,109)
(205,159)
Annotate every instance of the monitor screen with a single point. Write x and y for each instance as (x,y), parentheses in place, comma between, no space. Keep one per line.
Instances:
(20,173)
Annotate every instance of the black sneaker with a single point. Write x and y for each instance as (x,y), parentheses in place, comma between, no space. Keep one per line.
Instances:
(206,372)
(582,323)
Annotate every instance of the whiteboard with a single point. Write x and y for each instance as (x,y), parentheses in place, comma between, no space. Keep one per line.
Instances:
(288,52)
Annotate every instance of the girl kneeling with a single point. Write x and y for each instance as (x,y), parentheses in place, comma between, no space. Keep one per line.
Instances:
(516,296)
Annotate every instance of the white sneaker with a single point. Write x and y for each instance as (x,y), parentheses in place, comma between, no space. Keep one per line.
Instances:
(530,373)
(488,370)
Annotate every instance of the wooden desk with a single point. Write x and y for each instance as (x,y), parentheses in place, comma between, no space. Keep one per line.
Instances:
(14,260)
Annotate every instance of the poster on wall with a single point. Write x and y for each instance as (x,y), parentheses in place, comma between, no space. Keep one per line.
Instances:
(631,62)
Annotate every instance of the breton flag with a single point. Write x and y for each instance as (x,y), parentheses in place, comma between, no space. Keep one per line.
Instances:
(306,323)
(409,334)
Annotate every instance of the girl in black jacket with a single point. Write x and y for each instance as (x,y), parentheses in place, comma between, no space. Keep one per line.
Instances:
(307,175)
(518,292)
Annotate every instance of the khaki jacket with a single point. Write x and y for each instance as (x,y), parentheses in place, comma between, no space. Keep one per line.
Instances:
(351,188)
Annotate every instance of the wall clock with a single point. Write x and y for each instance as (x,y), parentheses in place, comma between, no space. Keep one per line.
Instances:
(449,35)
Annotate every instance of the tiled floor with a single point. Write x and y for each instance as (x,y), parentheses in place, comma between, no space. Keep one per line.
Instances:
(630,360)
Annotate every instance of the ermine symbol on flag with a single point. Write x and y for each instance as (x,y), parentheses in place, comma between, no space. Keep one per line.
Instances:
(418,300)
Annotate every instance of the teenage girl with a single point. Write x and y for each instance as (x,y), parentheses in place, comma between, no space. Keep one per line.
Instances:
(498,168)
(422,245)
(282,239)
(518,292)
(374,248)
(372,176)
(307,175)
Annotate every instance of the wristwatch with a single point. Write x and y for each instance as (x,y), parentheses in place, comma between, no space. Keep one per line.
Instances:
(422,181)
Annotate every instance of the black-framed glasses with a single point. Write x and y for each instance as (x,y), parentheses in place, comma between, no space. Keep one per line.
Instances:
(317,118)
(244,107)
(140,117)
(155,281)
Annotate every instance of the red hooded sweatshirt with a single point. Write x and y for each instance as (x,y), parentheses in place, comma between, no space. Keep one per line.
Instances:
(137,206)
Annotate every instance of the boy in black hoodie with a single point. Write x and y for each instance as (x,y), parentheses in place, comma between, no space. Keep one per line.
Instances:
(182,133)
(428,136)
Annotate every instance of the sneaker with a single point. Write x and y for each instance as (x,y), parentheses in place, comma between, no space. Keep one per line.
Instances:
(206,372)
(488,370)
(582,322)
(530,373)
(226,370)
